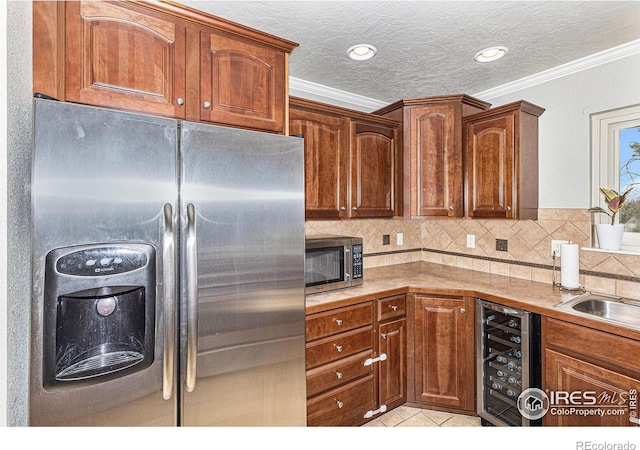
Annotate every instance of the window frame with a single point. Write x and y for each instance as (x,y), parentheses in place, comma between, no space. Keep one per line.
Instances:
(605,160)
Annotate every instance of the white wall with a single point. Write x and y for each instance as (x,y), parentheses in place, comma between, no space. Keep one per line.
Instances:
(15,230)
(564,135)
(3,221)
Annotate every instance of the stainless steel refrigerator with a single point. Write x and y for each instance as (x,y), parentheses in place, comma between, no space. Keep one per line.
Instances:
(167,272)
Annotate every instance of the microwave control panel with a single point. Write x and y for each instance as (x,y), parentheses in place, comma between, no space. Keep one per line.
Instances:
(356,253)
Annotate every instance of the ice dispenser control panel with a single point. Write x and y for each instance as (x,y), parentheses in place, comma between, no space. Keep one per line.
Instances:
(101,261)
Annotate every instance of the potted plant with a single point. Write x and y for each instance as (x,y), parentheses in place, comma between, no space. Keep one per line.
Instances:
(610,235)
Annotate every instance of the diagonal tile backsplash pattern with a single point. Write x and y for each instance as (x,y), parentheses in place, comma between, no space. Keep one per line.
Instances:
(528,252)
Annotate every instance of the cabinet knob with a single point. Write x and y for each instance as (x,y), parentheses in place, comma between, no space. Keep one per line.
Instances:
(338,322)
(339,403)
(451,208)
(180,101)
(354,208)
(339,348)
(206,105)
(394,307)
(383,336)
(462,310)
(508,208)
(342,208)
(339,375)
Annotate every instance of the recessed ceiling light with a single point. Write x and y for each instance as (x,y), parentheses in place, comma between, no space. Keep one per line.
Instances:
(491,54)
(361,52)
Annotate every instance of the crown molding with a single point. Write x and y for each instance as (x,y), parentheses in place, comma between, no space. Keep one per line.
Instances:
(588,62)
(325,94)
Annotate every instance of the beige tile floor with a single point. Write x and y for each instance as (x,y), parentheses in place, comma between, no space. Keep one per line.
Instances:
(406,416)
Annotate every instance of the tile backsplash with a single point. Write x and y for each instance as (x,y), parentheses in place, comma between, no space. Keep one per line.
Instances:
(528,253)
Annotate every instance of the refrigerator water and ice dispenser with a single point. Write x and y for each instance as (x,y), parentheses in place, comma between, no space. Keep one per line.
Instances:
(99,312)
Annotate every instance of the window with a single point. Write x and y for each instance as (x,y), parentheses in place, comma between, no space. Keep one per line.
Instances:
(615,141)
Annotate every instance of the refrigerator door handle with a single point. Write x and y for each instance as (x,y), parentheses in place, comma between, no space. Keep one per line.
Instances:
(169,283)
(192,297)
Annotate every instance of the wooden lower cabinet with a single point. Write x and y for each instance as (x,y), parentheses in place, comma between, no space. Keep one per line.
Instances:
(344,406)
(349,381)
(392,342)
(442,352)
(392,378)
(587,370)
(340,382)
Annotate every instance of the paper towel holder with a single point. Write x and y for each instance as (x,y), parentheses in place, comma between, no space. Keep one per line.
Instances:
(555,283)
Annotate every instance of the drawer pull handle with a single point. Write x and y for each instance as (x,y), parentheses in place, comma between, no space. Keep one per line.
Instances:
(370,361)
(369,414)
(394,307)
(339,348)
(339,375)
(340,404)
(384,336)
(339,322)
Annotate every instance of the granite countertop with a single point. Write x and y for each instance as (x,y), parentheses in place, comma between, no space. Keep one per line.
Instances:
(431,278)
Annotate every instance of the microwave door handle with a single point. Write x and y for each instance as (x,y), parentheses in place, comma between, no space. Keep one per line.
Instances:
(169,291)
(192,297)
(347,275)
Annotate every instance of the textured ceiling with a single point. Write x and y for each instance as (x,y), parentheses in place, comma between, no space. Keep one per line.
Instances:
(426,48)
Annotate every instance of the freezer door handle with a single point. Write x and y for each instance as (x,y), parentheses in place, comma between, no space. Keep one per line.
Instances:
(192,297)
(169,292)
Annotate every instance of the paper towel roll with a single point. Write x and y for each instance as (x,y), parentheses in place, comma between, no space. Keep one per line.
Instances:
(570,266)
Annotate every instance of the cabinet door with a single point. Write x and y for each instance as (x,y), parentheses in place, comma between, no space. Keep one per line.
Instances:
(241,83)
(436,155)
(373,152)
(574,376)
(444,346)
(392,341)
(122,57)
(490,161)
(326,162)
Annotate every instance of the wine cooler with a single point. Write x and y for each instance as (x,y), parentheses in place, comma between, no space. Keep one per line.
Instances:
(508,362)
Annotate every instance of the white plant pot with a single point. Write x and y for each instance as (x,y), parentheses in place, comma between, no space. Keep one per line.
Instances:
(609,236)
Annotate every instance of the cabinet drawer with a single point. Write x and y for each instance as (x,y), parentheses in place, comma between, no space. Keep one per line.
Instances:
(338,373)
(338,320)
(391,307)
(599,345)
(345,406)
(338,347)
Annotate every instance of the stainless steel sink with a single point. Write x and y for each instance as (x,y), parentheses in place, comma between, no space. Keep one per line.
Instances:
(614,309)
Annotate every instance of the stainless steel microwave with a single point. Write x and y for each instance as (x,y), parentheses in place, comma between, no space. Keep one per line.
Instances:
(332,262)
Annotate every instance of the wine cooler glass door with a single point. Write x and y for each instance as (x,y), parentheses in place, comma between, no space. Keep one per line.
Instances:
(503,363)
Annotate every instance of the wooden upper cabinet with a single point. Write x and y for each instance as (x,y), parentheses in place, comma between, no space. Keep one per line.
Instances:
(116,56)
(501,152)
(161,58)
(433,164)
(352,161)
(326,162)
(373,174)
(241,83)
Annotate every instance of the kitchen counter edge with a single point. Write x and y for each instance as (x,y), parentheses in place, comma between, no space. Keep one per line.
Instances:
(436,279)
